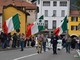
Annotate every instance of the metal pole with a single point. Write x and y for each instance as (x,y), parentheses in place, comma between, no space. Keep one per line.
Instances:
(50,33)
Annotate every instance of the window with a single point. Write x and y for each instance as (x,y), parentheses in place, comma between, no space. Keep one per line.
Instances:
(46,13)
(63,3)
(54,24)
(46,24)
(78,27)
(24,0)
(54,3)
(74,19)
(74,27)
(46,3)
(37,9)
(38,1)
(63,13)
(54,13)
(30,10)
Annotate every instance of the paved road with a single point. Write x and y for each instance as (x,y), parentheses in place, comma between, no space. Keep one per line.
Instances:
(30,54)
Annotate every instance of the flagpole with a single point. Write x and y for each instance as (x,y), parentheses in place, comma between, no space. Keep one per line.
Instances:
(50,33)
(67,30)
(67,34)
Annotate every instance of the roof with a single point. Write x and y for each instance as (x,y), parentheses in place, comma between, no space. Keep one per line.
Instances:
(17,3)
(73,8)
(16,8)
(20,3)
(74,13)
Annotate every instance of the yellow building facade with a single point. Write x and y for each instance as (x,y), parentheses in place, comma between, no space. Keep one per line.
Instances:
(11,11)
(74,26)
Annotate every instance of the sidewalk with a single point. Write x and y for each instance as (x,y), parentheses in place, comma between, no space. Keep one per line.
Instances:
(8,49)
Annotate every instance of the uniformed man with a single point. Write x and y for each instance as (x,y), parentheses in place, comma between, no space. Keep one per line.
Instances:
(54,39)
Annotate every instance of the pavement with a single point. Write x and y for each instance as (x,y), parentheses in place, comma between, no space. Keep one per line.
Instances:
(78,51)
(30,54)
(5,49)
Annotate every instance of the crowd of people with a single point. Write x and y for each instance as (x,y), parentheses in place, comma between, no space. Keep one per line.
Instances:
(71,43)
(15,40)
(68,43)
(40,41)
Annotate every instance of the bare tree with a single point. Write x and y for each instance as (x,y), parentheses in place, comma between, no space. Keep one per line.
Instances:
(78,5)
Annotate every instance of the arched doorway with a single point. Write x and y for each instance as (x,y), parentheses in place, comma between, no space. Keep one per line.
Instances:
(72,36)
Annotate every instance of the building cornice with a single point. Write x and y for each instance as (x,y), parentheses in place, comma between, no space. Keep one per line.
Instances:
(4,7)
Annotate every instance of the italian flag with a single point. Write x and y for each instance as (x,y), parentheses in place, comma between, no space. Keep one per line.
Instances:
(62,27)
(35,27)
(11,24)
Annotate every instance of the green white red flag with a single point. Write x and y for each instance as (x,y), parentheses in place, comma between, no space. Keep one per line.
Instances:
(35,27)
(62,27)
(11,24)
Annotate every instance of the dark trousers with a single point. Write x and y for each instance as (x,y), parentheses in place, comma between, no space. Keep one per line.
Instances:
(44,46)
(68,47)
(3,45)
(14,44)
(22,45)
(54,49)
(18,43)
(7,43)
(79,46)
(25,43)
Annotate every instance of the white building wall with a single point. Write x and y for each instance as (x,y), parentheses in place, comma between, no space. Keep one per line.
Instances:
(28,1)
(50,9)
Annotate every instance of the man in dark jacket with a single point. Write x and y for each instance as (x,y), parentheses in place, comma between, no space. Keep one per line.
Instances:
(14,40)
(54,39)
